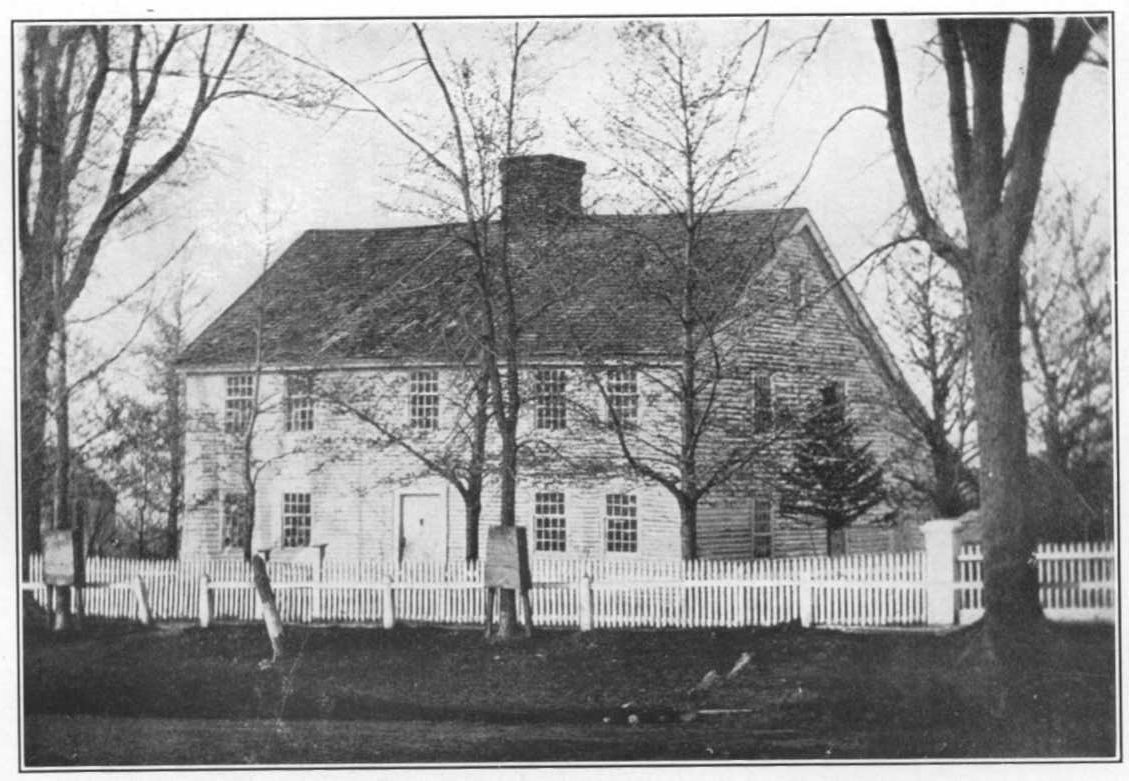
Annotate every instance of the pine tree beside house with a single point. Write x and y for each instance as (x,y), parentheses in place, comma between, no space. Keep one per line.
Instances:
(832,480)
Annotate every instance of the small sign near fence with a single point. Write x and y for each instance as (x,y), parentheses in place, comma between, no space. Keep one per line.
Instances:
(58,558)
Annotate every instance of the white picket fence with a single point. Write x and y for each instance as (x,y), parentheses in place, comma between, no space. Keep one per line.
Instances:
(1077,581)
(867,590)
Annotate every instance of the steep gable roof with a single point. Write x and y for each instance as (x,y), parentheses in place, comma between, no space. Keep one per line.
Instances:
(407,293)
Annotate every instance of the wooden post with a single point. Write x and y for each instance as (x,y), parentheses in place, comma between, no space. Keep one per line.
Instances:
(387,608)
(942,546)
(319,576)
(142,594)
(584,599)
(205,601)
(807,601)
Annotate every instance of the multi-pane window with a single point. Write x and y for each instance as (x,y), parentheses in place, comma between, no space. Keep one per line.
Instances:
(549,398)
(235,520)
(239,403)
(299,402)
(423,399)
(296,520)
(834,394)
(762,528)
(621,524)
(623,397)
(549,521)
(762,402)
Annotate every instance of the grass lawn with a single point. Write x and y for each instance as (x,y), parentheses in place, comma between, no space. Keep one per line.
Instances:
(120,694)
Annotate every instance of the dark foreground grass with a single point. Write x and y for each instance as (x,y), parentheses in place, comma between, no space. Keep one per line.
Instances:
(561,696)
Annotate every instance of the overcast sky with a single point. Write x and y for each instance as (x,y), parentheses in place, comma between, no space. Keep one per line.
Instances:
(341,174)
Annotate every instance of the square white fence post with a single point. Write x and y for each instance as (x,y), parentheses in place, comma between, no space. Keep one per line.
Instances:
(807,598)
(942,545)
(141,594)
(205,602)
(584,602)
(387,614)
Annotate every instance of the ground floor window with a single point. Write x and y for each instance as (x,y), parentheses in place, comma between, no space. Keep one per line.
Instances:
(762,528)
(549,521)
(235,521)
(621,524)
(296,520)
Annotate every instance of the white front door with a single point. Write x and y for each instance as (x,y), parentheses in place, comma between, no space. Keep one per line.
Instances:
(423,528)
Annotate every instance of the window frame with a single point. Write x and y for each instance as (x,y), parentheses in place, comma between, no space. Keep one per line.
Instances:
(297,509)
(763,414)
(550,399)
(617,514)
(765,536)
(423,400)
(238,407)
(299,403)
(618,398)
(550,522)
(230,501)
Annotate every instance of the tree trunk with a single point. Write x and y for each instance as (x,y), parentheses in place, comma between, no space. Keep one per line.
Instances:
(271,618)
(507,602)
(176,465)
(1011,588)
(33,427)
(688,512)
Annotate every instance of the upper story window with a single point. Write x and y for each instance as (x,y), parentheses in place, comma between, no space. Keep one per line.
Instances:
(549,521)
(296,520)
(834,394)
(762,527)
(623,397)
(235,520)
(796,293)
(621,524)
(762,403)
(299,402)
(423,399)
(239,403)
(549,398)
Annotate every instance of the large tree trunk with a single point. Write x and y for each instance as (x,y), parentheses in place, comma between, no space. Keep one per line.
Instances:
(33,426)
(175,420)
(688,511)
(1011,588)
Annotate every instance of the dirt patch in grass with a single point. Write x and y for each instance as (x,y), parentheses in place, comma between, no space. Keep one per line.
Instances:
(868,695)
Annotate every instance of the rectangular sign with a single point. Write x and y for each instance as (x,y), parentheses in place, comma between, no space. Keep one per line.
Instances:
(507,559)
(58,558)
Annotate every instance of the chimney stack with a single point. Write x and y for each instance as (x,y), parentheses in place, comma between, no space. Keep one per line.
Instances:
(540,190)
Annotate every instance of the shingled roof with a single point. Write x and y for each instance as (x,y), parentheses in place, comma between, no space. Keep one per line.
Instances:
(337,296)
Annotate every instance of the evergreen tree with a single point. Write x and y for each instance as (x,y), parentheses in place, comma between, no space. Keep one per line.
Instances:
(831,478)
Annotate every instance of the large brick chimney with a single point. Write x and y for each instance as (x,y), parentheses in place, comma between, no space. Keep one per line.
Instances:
(540,190)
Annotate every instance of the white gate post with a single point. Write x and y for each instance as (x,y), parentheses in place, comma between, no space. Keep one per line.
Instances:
(942,545)
(205,603)
(386,605)
(584,602)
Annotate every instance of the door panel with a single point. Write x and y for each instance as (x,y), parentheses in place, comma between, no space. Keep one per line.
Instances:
(423,528)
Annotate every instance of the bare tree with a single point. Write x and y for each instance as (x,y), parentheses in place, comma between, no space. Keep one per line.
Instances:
(926,307)
(998,176)
(477,130)
(1066,320)
(94,137)
(680,134)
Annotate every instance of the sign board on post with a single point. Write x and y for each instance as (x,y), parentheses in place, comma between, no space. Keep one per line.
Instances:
(507,559)
(58,558)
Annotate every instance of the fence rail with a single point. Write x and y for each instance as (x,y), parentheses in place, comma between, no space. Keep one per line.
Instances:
(1077,582)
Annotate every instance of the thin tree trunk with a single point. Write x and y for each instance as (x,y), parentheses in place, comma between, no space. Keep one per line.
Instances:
(271,618)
